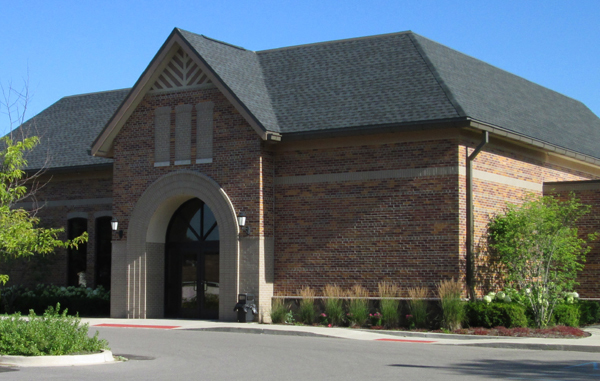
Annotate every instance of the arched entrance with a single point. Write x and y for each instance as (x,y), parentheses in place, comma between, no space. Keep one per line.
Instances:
(192,263)
(138,263)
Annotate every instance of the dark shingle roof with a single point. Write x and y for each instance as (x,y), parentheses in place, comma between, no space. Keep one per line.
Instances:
(67,128)
(393,79)
(360,82)
(494,96)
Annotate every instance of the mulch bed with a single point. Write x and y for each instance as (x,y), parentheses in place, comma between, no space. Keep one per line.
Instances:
(556,332)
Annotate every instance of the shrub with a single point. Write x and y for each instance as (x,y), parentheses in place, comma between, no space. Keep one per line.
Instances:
(482,314)
(538,245)
(453,311)
(589,312)
(306,311)
(567,315)
(279,311)
(77,300)
(53,334)
(333,304)
(418,306)
(358,306)
(388,306)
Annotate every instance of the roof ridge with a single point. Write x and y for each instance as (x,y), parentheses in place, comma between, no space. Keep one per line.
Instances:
(334,41)
(96,92)
(213,39)
(436,75)
(499,68)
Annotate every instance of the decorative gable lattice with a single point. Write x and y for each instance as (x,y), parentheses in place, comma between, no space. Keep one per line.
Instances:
(181,72)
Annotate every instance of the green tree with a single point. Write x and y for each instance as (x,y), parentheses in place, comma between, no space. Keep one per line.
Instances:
(20,233)
(538,245)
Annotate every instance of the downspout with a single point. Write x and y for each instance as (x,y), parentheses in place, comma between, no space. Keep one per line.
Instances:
(470,218)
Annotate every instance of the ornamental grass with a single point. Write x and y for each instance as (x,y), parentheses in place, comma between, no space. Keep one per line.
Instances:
(453,308)
(388,292)
(333,302)
(418,306)
(279,311)
(306,311)
(358,306)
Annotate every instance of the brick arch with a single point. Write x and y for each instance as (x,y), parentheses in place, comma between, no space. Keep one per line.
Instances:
(146,237)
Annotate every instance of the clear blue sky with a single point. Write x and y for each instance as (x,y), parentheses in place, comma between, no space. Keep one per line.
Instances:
(75,47)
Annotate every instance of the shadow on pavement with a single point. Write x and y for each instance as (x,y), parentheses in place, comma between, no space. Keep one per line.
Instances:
(521,370)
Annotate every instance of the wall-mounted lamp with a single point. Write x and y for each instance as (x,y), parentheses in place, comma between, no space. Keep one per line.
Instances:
(114,224)
(242,223)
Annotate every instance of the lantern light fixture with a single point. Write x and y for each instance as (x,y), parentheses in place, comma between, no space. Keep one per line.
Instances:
(114,224)
(241,217)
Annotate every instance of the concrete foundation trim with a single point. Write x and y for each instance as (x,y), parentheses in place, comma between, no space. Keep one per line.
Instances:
(69,360)
(406,173)
(367,175)
(148,225)
(79,202)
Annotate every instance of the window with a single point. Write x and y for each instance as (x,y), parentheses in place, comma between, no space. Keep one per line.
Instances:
(77,258)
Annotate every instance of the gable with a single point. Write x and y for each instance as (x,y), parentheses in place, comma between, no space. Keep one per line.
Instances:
(173,71)
(181,73)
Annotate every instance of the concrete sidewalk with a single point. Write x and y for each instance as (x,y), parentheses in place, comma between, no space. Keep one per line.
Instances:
(587,344)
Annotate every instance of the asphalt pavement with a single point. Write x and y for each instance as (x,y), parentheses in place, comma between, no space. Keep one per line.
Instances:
(586,344)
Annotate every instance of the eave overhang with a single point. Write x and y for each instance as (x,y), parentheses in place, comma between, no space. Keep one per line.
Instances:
(551,149)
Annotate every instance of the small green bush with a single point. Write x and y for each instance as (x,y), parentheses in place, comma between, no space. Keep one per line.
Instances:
(490,315)
(52,334)
(279,311)
(566,314)
(589,312)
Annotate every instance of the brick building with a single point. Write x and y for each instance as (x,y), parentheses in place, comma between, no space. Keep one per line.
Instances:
(351,160)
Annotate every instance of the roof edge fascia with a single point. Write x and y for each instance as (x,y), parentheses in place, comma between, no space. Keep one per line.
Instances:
(458,122)
(75,168)
(540,144)
(103,144)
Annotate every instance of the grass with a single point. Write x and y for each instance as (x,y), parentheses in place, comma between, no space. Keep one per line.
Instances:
(388,305)
(52,334)
(358,306)
(453,309)
(333,302)
(418,306)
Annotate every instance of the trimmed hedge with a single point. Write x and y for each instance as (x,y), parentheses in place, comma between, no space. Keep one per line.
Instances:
(567,315)
(489,315)
(77,300)
(589,312)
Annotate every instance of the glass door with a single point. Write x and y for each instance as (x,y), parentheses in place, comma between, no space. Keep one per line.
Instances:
(192,263)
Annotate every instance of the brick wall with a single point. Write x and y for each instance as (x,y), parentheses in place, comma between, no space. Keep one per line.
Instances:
(237,153)
(84,194)
(505,173)
(388,220)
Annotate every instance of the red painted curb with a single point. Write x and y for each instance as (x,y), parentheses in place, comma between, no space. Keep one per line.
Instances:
(137,326)
(406,341)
